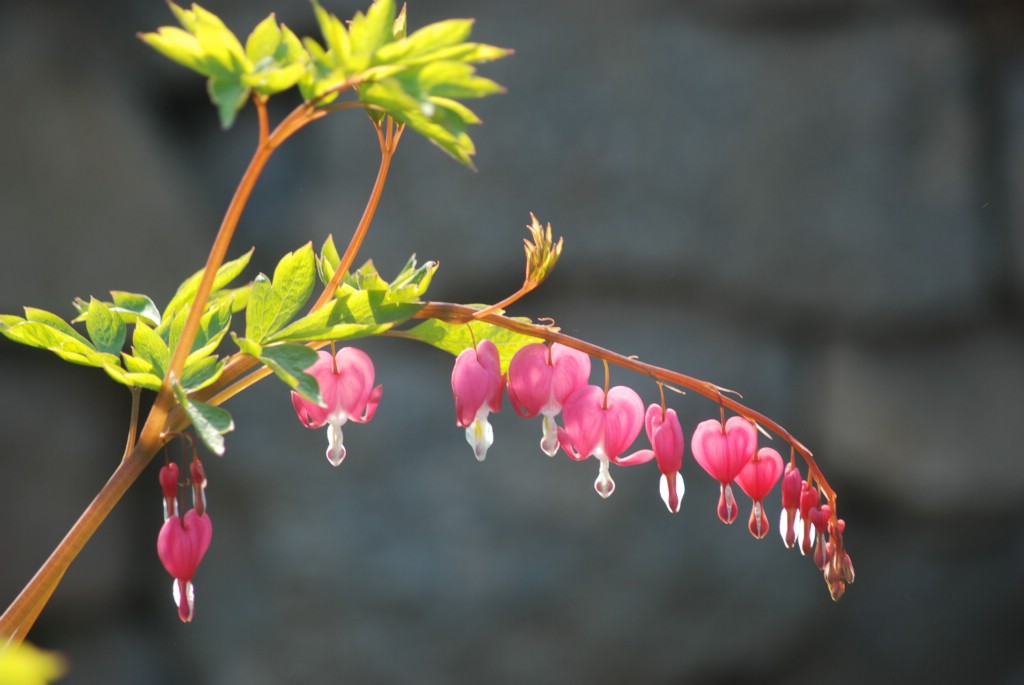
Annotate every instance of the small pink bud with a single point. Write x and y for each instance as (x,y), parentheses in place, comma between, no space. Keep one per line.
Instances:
(169,485)
(198,486)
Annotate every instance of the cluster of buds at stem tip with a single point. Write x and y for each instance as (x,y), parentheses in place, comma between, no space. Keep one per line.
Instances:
(183,540)
(347,391)
(551,379)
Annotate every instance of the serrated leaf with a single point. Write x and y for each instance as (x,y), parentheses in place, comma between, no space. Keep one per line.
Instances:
(288,362)
(453,338)
(359,314)
(229,95)
(186,292)
(70,348)
(328,261)
(426,40)
(106,329)
(370,31)
(209,422)
(201,373)
(272,304)
(134,379)
(149,346)
(132,306)
(53,321)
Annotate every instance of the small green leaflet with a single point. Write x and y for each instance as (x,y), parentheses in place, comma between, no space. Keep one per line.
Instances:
(228,272)
(289,362)
(106,328)
(210,422)
(272,304)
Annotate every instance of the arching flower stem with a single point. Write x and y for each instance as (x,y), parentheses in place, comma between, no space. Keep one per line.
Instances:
(457,313)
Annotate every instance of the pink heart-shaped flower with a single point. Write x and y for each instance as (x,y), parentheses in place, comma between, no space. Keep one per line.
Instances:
(724,453)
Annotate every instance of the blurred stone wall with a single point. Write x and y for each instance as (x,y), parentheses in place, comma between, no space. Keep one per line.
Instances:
(817,203)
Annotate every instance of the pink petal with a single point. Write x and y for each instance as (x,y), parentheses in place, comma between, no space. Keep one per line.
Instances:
(182,542)
(529,380)
(583,419)
(571,371)
(476,380)
(760,474)
(353,384)
(724,454)
(624,418)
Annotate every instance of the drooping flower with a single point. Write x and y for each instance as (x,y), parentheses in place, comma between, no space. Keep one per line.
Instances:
(346,388)
(757,479)
(791,486)
(540,379)
(666,436)
(181,544)
(723,451)
(805,532)
(477,385)
(602,425)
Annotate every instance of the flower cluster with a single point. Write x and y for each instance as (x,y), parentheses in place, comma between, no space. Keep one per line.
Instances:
(549,380)
(601,422)
(183,540)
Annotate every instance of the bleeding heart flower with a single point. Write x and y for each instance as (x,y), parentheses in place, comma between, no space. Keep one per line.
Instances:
(477,384)
(540,379)
(666,436)
(602,425)
(757,479)
(346,388)
(791,486)
(723,451)
(181,545)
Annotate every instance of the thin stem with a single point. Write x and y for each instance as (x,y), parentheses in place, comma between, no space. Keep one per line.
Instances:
(388,136)
(457,313)
(19,617)
(133,422)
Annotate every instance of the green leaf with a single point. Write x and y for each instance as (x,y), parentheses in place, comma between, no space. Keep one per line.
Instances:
(272,304)
(454,338)
(106,329)
(186,292)
(288,362)
(426,40)
(210,422)
(53,321)
(229,95)
(277,56)
(370,31)
(205,45)
(149,346)
(133,306)
(68,347)
(328,261)
(361,313)
(137,379)
(201,372)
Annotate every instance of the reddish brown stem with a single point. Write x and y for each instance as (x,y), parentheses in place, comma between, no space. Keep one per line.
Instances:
(457,313)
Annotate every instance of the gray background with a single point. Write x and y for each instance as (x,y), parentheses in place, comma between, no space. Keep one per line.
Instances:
(817,203)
